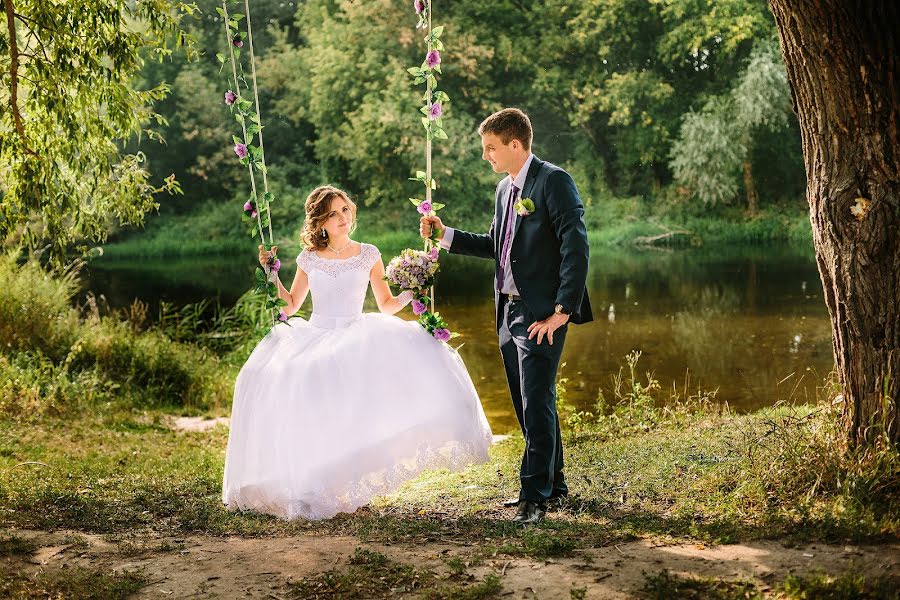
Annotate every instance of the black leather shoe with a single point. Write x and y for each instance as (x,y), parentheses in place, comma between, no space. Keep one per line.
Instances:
(529,512)
(510,502)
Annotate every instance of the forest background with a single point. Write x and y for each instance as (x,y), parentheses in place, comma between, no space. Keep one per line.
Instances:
(671,116)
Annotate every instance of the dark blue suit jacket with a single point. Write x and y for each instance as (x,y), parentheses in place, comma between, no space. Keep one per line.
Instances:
(549,254)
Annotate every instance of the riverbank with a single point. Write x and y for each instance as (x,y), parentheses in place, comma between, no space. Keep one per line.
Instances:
(89,446)
(686,497)
(216,229)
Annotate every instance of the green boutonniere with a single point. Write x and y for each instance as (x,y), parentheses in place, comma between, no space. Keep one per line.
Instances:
(524,207)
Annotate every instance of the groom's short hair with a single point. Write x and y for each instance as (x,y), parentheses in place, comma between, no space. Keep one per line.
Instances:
(508,124)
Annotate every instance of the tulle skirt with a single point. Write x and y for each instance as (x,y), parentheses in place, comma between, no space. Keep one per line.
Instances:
(330,412)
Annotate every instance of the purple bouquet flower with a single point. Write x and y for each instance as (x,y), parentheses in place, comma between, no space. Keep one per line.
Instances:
(418,307)
(241,150)
(433,59)
(282,316)
(248,206)
(435,252)
(435,111)
(442,335)
(238,43)
(275,266)
(412,270)
(230,97)
(419,6)
(425,207)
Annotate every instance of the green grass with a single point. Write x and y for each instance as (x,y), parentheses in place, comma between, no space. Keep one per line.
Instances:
(714,477)
(373,575)
(75,583)
(665,586)
(727,228)
(849,585)
(13,545)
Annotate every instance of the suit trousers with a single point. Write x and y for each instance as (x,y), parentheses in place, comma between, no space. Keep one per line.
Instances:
(531,373)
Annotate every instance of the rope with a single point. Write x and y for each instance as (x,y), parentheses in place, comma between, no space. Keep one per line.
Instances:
(262,149)
(237,88)
(428,242)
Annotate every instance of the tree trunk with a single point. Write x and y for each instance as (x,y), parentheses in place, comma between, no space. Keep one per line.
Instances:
(841,59)
(750,188)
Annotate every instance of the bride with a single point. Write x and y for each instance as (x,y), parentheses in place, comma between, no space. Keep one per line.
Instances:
(330,412)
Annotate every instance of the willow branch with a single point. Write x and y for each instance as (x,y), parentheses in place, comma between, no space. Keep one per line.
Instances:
(14,68)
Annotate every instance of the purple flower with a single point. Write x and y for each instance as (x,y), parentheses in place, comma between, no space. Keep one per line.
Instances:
(230,97)
(238,43)
(419,6)
(433,59)
(435,111)
(424,207)
(275,266)
(248,206)
(418,307)
(281,316)
(435,252)
(442,335)
(241,150)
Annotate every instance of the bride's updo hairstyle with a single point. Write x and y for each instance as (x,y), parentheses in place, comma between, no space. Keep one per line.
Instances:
(318,207)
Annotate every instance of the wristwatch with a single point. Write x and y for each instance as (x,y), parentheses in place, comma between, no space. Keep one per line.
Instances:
(560,310)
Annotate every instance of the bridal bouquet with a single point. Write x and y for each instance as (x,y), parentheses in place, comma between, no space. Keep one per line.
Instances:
(414,270)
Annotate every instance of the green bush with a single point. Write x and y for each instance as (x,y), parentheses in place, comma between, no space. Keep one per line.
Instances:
(55,357)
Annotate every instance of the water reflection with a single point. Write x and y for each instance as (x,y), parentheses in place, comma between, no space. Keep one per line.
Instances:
(750,322)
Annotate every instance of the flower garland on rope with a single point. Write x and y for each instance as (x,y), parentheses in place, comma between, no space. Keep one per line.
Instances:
(256,210)
(415,270)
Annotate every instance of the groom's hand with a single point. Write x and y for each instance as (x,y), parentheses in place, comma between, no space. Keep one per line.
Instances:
(547,327)
(427,224)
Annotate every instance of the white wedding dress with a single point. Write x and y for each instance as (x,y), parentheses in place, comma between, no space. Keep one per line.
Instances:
(330,412)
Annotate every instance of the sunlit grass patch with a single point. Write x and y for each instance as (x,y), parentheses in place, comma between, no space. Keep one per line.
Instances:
(69,582)
(373,575)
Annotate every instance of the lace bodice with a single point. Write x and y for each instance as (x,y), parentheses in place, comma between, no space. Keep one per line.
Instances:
(338,287)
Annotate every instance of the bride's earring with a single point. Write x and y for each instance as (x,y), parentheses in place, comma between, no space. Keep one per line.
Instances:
(324,233)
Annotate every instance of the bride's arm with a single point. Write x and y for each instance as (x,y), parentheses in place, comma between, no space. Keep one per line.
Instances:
(297,295)
(387,302)
(299,288)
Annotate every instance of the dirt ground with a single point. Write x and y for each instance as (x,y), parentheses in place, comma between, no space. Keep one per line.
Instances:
(198,566)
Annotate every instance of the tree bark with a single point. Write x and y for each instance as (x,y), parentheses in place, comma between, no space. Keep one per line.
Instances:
(841,59)
(750,188)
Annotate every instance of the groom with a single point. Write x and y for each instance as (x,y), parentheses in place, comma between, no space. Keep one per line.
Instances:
(539,245)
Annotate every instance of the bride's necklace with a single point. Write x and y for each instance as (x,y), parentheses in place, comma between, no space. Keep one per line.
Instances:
(338,252)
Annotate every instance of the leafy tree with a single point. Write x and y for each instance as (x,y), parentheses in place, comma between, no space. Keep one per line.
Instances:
(363,105)
(70,102)
(716,144)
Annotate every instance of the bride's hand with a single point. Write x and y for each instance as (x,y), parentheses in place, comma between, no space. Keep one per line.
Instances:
(265,257)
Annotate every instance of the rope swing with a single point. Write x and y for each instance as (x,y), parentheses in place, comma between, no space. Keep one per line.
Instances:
(412,270)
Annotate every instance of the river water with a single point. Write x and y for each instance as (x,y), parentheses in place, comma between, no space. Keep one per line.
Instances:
(749,322)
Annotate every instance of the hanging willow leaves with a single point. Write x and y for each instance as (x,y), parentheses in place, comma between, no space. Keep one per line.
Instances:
(71,100)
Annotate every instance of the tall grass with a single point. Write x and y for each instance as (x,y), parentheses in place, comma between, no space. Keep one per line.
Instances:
(63,356)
